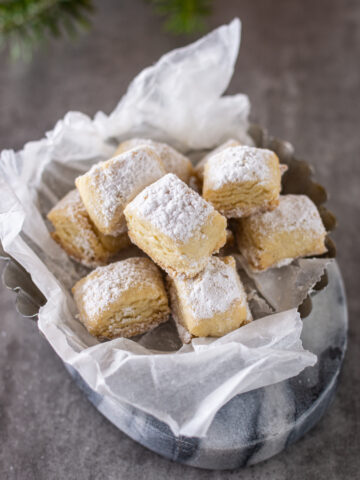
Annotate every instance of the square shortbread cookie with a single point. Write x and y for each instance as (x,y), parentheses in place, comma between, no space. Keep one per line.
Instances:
(294,229)
(173,161)
(78,236)
(123,299)
(177,228)
(240,181)
(109,186)
(211,304)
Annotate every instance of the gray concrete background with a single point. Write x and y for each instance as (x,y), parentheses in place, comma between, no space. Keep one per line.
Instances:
(299,63)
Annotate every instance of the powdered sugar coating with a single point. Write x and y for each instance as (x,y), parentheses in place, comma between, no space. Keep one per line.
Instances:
(71,205)
(238,164)
(118,180)
(229,143)
(294,212)
(84,240)
(213,290)
(173,161)
(105,285)
(172,207)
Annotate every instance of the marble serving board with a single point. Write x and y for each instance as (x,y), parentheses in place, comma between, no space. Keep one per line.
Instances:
(259,424)
(253,426)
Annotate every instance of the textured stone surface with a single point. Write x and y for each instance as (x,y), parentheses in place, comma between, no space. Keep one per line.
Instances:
(299,65)
(259,424)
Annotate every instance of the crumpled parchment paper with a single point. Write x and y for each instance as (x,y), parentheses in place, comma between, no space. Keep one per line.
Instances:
(178,100)
(281,288)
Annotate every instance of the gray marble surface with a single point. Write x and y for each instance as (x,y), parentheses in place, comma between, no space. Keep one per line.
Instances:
(258,424)
(299,65)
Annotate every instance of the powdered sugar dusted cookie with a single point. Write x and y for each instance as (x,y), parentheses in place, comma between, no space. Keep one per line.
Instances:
(201,165)
(240,181)
(123,299)
(294,229)
(177,228)
(109,186)
(173,161)
(78,236)
(211,304)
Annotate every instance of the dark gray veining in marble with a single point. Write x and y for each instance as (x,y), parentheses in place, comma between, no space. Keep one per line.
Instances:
(299,64)
(259,424)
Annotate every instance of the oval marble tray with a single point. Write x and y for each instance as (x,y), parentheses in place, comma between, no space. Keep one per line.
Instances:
(259,424)
(253,426)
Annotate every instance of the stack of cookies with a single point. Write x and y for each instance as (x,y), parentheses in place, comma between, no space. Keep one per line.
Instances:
(143,196)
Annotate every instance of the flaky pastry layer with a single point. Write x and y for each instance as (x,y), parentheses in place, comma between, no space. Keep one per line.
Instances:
(293,230)
(175,226)
(239,181)
(125,298)
(211,304)
(109,186)
(78,236)
(173,161)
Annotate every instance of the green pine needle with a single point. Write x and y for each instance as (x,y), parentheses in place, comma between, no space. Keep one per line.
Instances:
(25,24)
(184,16)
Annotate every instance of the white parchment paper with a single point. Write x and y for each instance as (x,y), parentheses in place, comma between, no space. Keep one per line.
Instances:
(179,100)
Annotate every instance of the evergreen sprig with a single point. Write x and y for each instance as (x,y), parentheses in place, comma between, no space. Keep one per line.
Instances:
(184,16)
(24,24)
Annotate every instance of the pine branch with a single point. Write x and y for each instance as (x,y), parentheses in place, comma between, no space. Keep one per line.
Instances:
(24,24)
(184,16)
